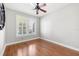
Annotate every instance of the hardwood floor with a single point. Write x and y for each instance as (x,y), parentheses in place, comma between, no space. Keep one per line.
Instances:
(38,47)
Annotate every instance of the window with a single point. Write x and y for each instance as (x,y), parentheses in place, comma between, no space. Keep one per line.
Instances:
(24,26)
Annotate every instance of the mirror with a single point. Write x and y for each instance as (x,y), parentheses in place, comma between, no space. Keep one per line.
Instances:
(2,16)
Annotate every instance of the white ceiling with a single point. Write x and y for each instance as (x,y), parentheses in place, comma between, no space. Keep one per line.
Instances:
(28,7)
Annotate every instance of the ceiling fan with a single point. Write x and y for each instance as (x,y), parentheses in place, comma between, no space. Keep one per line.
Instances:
(38,8)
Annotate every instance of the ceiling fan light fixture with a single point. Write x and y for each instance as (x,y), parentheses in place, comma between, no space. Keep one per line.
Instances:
(38,8)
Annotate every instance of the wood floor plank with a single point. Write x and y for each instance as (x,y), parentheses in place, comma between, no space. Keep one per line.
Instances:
(38,47)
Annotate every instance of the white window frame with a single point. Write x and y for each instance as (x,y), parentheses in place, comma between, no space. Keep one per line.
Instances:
(27,19)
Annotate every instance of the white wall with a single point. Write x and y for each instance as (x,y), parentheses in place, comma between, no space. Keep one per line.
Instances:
(62,26)
(10,32)
(2,38)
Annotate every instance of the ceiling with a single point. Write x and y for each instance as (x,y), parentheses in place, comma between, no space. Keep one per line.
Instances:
(28,7)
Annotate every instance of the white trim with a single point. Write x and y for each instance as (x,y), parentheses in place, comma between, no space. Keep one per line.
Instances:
(3,50)
(70,47)
(21,41)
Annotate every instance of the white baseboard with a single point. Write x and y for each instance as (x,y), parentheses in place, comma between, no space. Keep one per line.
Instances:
(70,47)
(16,43)
(21,41)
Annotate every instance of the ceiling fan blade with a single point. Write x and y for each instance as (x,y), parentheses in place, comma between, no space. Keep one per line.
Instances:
(44,4)
(43,10)
(37,11)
